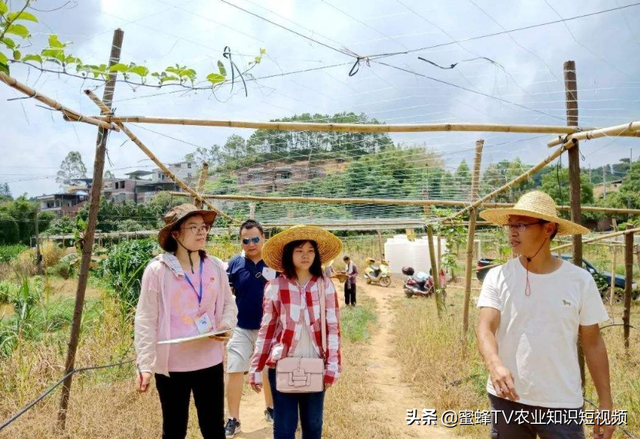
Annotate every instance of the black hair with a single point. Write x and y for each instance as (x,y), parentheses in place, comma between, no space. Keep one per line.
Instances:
(250,224)
(346,258)
(287,259)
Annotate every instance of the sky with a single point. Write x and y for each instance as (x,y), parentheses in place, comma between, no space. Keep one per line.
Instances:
(515,77)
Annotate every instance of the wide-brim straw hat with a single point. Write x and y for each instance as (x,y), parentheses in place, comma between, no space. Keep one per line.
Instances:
(181,213)
(534,204)
(329,246)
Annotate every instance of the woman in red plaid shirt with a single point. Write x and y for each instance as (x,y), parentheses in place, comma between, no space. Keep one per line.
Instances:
(291,324)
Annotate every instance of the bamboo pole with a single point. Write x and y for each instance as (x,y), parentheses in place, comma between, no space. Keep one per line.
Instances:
(557,153)
(387,201)
(147,151)
(625,130)
(613,275)
(628,279)
(613,267)
(599,238)
(69,114)
(380,246)
(471,233)
(571,93)
(352,127)
(203,179)
(435,271)
(571,97)
(89,235)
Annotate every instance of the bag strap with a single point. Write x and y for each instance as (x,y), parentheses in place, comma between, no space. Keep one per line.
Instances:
(323,317)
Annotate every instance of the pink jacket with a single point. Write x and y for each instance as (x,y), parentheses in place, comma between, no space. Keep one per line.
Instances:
(150,328)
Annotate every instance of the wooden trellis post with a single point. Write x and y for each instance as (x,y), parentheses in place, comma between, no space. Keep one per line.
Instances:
(571,96)
(203,178)
(87,247)
(471,233)
(628,280)
(435,269)
(614,261)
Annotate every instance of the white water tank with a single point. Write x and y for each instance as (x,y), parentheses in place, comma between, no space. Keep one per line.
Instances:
(400,252)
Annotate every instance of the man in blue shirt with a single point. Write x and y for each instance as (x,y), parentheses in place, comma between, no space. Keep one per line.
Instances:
(248,275)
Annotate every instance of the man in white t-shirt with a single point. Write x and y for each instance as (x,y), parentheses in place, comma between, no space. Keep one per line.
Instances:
(532,311)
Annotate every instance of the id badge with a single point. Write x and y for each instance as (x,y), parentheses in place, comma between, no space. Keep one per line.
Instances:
(268,273)
(203,323)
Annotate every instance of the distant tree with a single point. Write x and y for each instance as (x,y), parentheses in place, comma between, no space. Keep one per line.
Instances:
(71,168)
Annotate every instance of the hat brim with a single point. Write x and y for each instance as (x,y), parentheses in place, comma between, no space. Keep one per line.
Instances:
(329,246)
(164,235)
(501,217)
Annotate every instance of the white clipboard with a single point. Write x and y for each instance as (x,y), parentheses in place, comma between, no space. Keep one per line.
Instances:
(195,337)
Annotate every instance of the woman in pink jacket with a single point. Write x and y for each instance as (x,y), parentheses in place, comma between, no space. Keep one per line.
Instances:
(185,293)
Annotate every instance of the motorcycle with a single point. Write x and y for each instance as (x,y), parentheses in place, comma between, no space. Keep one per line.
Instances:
(417,284)
(377,274)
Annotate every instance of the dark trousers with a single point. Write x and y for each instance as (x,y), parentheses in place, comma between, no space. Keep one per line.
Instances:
(175,390)
(285,412)
(515,429)
(350,294)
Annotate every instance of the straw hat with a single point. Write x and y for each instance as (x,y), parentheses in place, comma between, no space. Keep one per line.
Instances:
(177,214)
(329,245)
(534,204)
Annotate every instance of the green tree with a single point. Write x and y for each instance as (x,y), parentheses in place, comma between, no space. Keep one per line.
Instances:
(556,184)
(71,168)
(9,230)
(462,181)
(5,192)
(23,213)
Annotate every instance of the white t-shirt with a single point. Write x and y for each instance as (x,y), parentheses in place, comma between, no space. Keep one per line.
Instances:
(305,347)
(538,334)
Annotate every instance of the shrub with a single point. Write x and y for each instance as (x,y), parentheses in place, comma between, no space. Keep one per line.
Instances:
(67,267)
(10,252)
(123,268)
(51,254)
(7,291)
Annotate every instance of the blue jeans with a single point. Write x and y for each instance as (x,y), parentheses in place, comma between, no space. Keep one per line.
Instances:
(285,412)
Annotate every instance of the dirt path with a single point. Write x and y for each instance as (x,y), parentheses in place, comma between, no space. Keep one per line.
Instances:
(383,368)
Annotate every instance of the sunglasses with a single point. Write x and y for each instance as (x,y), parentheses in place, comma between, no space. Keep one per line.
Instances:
(255,240)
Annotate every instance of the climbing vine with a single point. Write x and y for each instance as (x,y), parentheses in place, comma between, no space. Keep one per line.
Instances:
(56,58)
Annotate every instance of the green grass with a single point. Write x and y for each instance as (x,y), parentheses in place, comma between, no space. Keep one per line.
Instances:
(355,322)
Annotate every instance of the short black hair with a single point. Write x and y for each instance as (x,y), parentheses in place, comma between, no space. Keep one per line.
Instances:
(250,224)
(346,258)
(287,259)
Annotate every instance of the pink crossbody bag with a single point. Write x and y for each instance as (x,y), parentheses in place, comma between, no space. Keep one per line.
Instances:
(304,375)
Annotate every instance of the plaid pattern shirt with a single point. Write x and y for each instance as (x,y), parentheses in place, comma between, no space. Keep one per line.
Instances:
(282,324)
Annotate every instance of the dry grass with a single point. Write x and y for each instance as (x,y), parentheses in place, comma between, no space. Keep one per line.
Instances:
(454,378)
(105,405)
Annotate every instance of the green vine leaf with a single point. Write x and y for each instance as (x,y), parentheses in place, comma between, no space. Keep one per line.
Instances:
(141,71)
(19,30)
(54,42)
(215,78)
(263,51)
(9,42)
(17,55)
(3,58)
(3,8)
(36,58)
(168,78)
(122,68)
(223,71)
(24,15)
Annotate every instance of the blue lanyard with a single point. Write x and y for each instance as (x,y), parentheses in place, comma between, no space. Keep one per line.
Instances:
(194,288)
